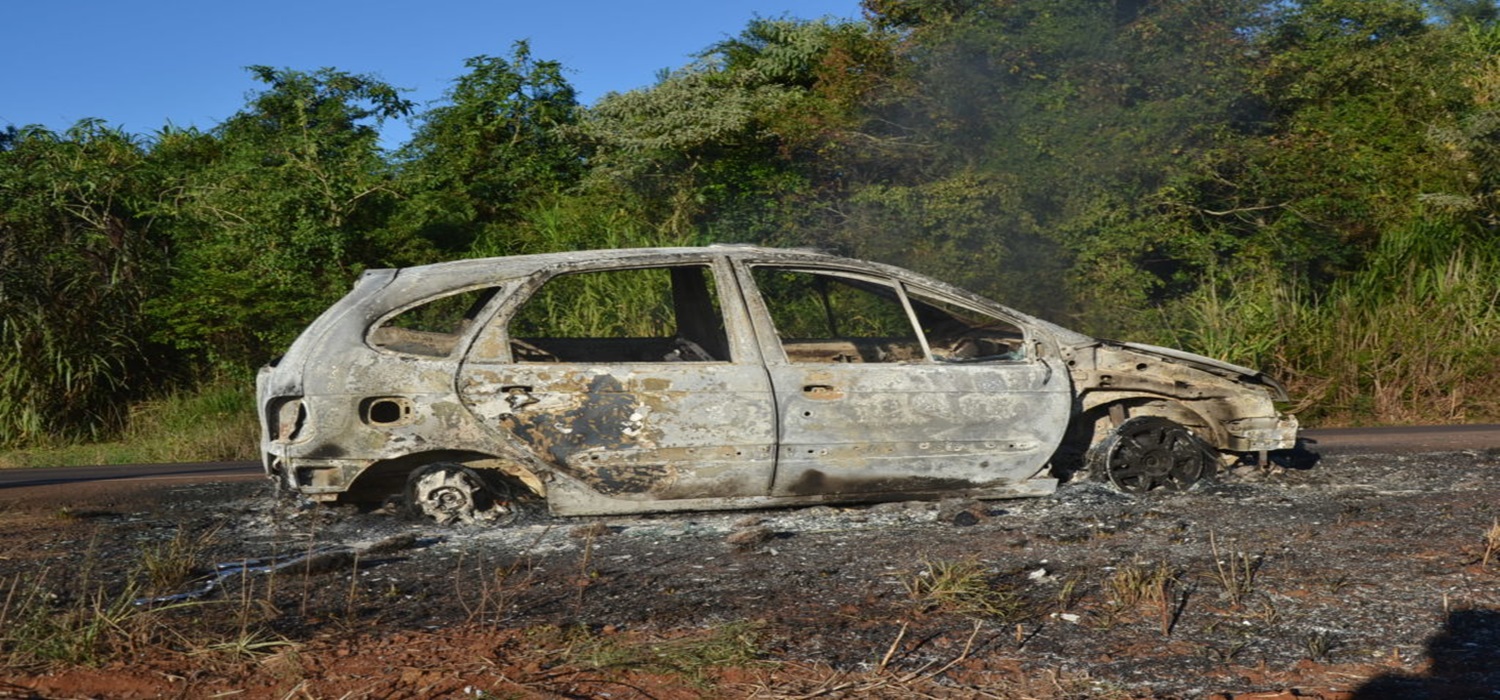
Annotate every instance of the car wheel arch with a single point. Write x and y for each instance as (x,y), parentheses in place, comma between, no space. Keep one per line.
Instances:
(1097,414)
(1101,412)
(388,477)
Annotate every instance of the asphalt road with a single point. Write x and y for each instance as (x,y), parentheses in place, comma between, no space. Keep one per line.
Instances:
(1404,439)
(1426,438)
(181,472)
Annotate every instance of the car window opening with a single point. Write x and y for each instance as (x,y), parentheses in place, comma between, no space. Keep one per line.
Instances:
(432,328)
(827,318)
(960,334)
(658,314)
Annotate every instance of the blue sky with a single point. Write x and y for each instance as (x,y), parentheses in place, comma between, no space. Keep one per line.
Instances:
(140,64)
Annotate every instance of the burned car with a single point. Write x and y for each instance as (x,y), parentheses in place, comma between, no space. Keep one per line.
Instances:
(726,377)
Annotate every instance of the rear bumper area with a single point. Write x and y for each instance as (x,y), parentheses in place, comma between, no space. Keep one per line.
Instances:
(320,480)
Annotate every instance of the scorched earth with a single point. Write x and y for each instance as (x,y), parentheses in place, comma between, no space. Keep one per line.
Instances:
(1357,576)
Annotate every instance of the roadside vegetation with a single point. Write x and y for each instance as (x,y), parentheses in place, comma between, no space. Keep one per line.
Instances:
(1309,187)
(211,422)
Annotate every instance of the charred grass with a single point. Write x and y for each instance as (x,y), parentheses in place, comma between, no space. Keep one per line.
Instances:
(1327,579)
(49,620)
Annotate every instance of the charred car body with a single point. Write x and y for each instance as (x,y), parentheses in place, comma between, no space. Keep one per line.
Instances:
(639,380)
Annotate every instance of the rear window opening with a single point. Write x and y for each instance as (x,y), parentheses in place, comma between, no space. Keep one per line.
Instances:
(431,328)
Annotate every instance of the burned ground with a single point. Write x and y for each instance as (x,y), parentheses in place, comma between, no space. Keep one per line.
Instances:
(1362,577)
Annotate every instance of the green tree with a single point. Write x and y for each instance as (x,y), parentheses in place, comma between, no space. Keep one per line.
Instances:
(499,147)
(1354,94)
(279,214)
(1069,118)
(1358,221)
(1465,11)
(732,144)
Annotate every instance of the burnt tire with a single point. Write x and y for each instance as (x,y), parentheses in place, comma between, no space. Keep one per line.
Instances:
(1150,452)
(449,493)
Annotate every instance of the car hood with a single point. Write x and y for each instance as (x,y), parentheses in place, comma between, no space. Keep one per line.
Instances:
(1210,365)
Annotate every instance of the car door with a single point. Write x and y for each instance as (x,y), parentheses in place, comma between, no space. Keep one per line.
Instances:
(639,382)
(866,405)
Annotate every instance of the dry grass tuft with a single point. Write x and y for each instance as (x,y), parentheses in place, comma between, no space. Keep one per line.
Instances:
(964,587)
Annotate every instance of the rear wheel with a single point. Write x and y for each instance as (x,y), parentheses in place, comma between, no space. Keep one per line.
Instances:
(451,493)
(1151,452)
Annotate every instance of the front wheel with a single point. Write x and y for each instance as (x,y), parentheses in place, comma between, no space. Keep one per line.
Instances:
(1151,452)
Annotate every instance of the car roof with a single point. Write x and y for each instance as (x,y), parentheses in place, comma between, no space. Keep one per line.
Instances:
(424,280)
(435,278)
(523,264)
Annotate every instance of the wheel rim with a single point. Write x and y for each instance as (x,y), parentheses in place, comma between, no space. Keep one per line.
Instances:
(450,494)
(1151,453)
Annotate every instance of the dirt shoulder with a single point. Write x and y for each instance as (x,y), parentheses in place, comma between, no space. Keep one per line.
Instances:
(1363,576)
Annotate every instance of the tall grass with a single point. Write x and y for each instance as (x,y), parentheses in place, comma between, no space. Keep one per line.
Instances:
(58,617)
(59,375)
(37,629)
(1412,338)
(215,422)
(76,259)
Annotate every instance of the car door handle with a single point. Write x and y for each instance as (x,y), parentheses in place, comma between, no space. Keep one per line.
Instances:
(518,396)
